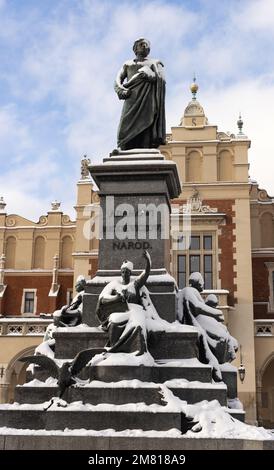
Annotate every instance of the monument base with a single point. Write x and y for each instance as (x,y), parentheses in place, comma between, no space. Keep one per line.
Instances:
(114,441)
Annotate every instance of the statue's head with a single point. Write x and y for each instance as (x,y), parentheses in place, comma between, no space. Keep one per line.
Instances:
(56,317)
(141,47)
(196,280)
(211,300)
(126,270)
(80,283)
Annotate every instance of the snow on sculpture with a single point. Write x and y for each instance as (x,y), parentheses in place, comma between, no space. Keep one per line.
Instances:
(122,308)
(216,345)
(67,316)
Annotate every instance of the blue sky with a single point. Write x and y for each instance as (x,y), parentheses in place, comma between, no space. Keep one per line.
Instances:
(59,59)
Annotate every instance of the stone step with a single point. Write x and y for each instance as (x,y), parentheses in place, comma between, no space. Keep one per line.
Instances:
(161,344)
(123,392)
(69,341)
(96,441)
(100,393)
(189,369)
(195,392)
(118,417)
(121,417)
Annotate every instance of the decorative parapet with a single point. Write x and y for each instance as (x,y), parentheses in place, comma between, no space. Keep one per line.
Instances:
(225,136)
(264,327)
(195,205)
(198,211)
(85,163)
(23,326)
(55,205)
(14,221)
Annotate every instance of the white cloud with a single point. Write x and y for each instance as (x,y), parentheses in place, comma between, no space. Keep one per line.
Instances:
(15,137)
(256,15)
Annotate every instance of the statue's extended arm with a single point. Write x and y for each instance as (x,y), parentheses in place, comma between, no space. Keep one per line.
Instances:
(141,280)
(75,303)
(109,294)
(109,299)
(122,92)
(202,309)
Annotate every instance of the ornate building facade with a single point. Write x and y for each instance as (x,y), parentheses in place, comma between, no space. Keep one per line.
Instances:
(225,230)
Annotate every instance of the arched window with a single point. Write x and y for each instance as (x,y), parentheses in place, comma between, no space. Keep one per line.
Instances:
(225,166)
(66,252)
(267,396)
(267,239)
(10,253)
(39,253)
(193,166)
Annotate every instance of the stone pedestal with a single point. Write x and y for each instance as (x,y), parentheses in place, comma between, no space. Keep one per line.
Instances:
(135,189)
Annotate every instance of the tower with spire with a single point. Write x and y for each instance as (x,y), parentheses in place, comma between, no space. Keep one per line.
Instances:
(194,115)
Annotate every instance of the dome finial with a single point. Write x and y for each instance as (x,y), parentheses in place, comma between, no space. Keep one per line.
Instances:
(194,87)
(240,124)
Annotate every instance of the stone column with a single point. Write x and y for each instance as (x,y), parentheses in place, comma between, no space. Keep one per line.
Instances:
(2,270)
(54,285)
(4,392)
(4,385)
(54,290)
(2,286)
(259,397)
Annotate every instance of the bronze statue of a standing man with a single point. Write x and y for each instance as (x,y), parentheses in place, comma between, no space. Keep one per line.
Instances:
(141,83)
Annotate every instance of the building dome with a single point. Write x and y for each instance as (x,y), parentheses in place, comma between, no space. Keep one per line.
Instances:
(194,114)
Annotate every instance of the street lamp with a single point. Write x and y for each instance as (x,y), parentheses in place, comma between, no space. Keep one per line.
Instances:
(241,368)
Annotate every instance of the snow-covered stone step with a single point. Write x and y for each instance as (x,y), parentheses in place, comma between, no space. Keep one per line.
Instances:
(161,344)
(127,391)
(104,416)
(159,372)
(194,392)
(189,369)
(95,392)
(77,416)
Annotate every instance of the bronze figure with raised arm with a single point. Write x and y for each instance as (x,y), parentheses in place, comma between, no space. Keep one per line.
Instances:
(121,310)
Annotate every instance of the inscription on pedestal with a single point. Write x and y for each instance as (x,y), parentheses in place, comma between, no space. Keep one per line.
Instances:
(131,245)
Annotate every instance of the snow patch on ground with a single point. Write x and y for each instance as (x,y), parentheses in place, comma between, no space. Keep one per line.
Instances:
(215,422)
